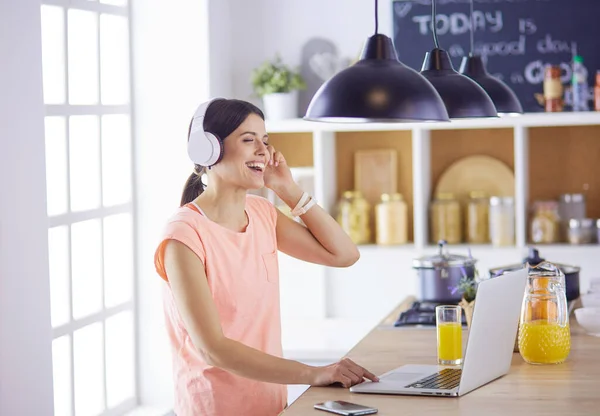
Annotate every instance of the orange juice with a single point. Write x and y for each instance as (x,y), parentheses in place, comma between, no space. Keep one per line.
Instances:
(449,341)
(543,342)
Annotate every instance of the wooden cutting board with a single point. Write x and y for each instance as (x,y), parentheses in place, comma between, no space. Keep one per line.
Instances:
(477,173)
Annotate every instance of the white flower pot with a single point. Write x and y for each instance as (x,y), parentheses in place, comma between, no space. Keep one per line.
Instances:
(281,106)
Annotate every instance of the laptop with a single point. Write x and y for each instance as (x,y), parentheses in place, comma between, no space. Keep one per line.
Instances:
(489,349)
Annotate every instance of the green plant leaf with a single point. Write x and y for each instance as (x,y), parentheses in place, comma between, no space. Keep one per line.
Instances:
(275,77)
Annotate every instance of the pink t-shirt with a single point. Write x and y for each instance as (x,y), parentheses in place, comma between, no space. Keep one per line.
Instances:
(242,273)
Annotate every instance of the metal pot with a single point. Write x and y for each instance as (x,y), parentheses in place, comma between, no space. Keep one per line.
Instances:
(571,272)
(440,274)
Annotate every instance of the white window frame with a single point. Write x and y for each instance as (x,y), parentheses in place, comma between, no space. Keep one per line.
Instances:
(69,218)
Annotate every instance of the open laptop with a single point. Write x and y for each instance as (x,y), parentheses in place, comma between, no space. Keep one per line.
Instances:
(488,353)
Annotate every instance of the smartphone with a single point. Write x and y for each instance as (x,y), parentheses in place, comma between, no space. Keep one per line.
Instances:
(345,408)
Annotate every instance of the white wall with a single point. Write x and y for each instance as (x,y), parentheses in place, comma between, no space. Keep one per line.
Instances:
(220,41)
(25,329)
(262,28)
(170,72)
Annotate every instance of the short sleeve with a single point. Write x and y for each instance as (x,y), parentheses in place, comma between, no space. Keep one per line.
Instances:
(184,231)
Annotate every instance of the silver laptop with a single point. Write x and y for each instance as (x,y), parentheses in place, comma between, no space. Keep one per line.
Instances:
(488,353)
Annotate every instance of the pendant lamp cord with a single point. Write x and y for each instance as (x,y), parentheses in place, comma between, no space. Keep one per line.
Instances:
(376,17)
(472,28)
(433,25)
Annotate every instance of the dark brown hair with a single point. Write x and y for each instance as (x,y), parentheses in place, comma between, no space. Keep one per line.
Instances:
(222,118)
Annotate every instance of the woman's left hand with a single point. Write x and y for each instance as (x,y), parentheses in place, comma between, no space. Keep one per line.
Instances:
(277,173)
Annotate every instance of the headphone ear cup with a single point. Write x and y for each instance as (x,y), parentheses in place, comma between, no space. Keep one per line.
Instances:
(204,149)
(217,149)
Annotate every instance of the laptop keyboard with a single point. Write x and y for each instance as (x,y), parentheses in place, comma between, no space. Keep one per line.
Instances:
(448,378)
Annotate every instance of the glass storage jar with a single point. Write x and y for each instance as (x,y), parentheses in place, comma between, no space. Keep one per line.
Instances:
(445,219)
(502,221)
(477,221)
(581,231)
(390,220)
(353,212)
(544,332)
(545,224)
(570,206)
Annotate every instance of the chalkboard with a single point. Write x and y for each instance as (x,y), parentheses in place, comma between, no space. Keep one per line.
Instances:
(516,38)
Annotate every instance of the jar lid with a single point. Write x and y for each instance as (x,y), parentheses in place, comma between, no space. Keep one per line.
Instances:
(581,223)
(502,200)
(478,194)
(395,196)
(444,196)
(443,260)
(572,198)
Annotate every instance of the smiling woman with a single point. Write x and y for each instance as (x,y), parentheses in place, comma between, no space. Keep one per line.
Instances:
(218,259)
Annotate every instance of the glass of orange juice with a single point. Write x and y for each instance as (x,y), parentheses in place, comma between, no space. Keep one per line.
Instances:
(449,334)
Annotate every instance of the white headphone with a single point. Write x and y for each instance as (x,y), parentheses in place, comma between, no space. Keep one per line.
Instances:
(204,148)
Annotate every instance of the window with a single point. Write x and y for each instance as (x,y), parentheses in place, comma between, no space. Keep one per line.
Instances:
(86,74)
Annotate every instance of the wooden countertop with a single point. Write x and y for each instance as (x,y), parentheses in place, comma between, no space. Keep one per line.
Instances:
(571,388)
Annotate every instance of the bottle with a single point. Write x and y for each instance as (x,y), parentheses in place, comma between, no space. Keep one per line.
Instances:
(579,84)
(390,220)
(544,333)
(597,92)
(553,89)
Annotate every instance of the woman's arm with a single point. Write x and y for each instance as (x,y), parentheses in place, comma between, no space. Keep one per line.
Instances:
(187,279)
(322,241)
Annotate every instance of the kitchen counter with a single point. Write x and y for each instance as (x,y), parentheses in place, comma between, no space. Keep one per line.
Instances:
(571,388)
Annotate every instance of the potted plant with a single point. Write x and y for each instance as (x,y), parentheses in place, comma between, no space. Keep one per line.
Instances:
(467,286)
(278,85)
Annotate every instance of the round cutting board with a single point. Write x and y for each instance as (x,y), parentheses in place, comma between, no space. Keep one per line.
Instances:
(477,173)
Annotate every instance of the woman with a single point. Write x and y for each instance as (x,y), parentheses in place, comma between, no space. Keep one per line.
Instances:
(219,259)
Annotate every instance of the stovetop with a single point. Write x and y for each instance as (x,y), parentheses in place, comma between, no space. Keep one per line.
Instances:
(421,313)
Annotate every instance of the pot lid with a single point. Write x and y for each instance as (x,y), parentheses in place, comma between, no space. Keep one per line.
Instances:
(533,259)
(443,259)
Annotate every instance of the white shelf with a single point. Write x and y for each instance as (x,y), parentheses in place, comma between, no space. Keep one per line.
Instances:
(321,318)
(526,120)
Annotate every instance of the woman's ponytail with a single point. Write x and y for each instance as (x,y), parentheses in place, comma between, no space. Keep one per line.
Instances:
(193,186)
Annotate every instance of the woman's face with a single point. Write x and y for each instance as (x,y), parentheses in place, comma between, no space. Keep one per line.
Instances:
(245,155)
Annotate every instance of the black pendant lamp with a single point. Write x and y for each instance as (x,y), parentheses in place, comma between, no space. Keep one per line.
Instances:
(378,88)
(504,98)
(463,97)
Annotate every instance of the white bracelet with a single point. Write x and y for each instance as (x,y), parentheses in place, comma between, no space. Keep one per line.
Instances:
(299,205)
(306,207)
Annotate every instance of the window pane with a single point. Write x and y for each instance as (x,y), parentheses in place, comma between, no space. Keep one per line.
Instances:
(53,54)
(118,259)
(86,252)
(120,362)
(84,153)
(115,2)
(58,250)
(61,369)
(116,160)
(83,57)
(114,59)
(89,370)
(56,165)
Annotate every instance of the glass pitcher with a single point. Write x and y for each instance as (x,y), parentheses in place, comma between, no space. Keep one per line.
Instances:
(544,333)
